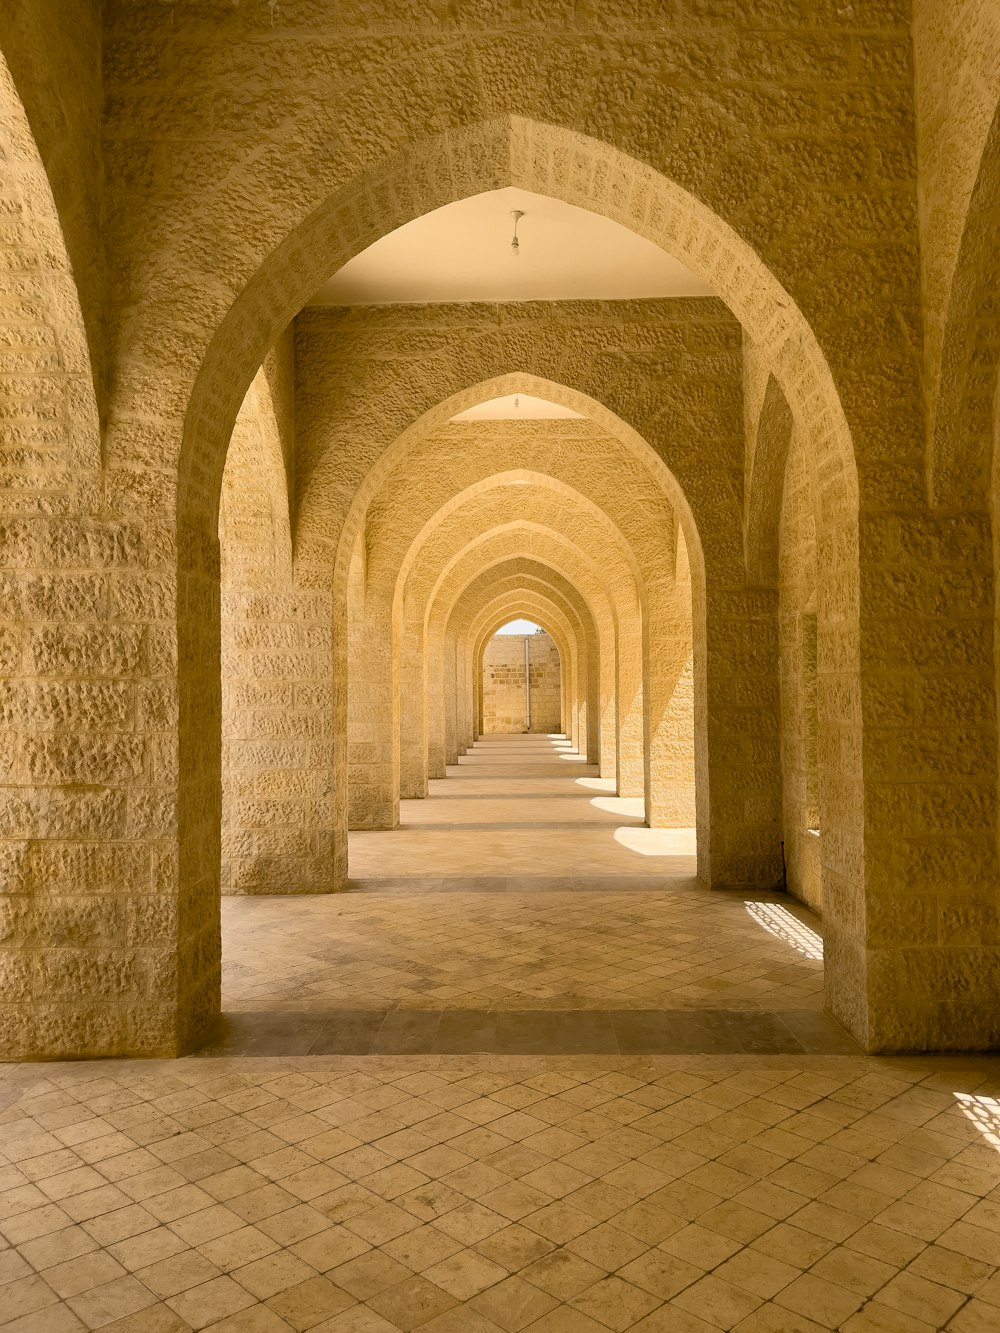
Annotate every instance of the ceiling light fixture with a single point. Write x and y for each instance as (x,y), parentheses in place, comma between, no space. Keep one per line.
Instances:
(515,245)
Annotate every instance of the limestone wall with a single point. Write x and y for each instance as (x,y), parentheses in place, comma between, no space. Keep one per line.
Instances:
(277,723)
(504,702)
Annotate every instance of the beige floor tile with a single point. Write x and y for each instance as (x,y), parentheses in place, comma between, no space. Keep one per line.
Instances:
(513,1304)
(562,1274)
(879,1318)
(465,1274)
(369,1274)
(413,1303)
(920,1297)
(207,1304)
(857,1272)
(760,1274)
(275,1272)
(113,1300)
(719,1303)
(827,1303)
(24,1295)
(616,1303)
(176,1274)
(975,1317)
(310,1302)
(83,1273)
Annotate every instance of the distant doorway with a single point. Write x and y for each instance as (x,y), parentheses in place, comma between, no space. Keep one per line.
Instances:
(522,681)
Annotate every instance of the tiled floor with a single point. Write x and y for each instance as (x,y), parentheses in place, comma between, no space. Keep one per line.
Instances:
(510,888)
(500,1195)
(651,1181)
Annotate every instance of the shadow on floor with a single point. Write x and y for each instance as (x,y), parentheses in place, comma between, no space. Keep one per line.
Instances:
(530,1032)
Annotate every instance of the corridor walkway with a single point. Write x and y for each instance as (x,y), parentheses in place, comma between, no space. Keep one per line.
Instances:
(520,908)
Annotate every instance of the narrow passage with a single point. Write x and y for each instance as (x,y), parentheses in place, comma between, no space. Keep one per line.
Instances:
(523,908)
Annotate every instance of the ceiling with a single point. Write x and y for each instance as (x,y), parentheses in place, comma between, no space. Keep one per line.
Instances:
(462,253)
(514,407)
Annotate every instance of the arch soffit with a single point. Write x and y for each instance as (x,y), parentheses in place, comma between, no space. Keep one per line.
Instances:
(490,505)
(524,581)
(528,591)
(266,472)
(411,440)
(46,268)
(634,501)
(523,602)
(542,613)
(520,582)
(548,159)
(571,660)
(525,540)
(964,392)
(765,486)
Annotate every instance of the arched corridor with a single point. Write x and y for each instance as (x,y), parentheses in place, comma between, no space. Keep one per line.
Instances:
(499,666)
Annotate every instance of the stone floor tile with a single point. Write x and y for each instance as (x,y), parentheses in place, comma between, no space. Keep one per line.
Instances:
(512,1304)
(771,1318)
(718,1302)
(672,1319)
(920,1297)
(358,1319)
(607,1247)
(853,1270)
(25,1295)
(275,1272)
(113,1300)
(256,1319)
(413,1303)
(153,1319)
(878,1318)
(53,1319)
(760,1274)
(565,1321)
(83,1273)
(562,1274)
(176,1274)
(369,1274)
(616,1303)
(465,1274)
(696,1245)
(792,1245)
(57,1247)
(460,1319)
(207,1304)
(825,1302)
(660,1193)
(310,1302)
(514,1247)
(974,1317)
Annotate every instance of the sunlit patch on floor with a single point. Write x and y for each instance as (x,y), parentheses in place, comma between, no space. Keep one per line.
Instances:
(597,784)
(779,921)
(627,807)
(984,1112)
(657,841)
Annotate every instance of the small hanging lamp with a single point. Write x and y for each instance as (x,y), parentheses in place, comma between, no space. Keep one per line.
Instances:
(515,245)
